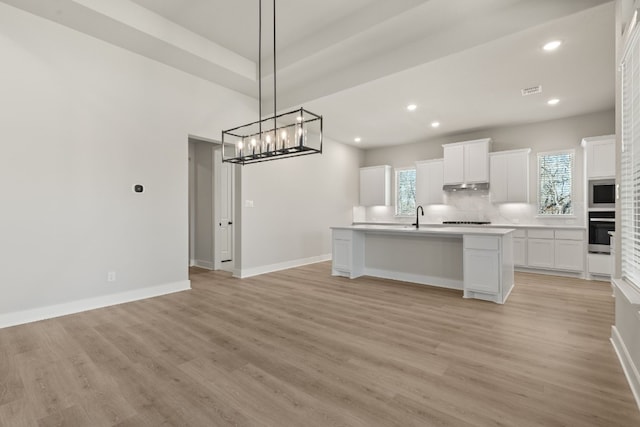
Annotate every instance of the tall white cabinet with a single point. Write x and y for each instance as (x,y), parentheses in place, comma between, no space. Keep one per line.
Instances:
(429,181)
(375,186)
(509,176)
(466,162)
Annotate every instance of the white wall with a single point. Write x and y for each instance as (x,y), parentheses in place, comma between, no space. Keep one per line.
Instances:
(540,137)
(295,202)
(81,122)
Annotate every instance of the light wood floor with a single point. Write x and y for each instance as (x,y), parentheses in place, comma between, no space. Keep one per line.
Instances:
(301,348)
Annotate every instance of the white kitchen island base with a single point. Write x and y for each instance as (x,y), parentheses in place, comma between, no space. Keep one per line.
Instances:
(477,261)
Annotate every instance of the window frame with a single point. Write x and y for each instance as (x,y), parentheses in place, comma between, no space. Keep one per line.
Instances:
(629,194)
(541,154)
(396,192)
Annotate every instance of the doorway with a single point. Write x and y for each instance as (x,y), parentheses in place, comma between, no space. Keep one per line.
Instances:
(211,206)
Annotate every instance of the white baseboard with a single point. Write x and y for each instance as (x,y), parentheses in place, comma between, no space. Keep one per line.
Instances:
(48,312)
(203,264)
(440,282)
(630,370)
(255,271)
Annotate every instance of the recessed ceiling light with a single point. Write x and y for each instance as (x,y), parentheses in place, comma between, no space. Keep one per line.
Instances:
(553,45)
(412,107)
(435,124)
(357,139)
(553,101)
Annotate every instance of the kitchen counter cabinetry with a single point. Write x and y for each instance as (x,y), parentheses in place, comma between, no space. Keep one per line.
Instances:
(509,177)
(429,181)
(466,162)
(375,186)
(554,249)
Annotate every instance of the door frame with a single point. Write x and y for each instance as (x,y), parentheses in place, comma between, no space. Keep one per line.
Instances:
(216,211)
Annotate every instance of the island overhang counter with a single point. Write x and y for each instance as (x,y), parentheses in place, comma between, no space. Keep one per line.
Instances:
(476,260)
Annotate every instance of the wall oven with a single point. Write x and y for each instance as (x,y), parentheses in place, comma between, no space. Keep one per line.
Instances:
(600,224)
(602,194)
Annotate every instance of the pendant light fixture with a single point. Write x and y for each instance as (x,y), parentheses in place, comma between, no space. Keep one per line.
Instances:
(296,133)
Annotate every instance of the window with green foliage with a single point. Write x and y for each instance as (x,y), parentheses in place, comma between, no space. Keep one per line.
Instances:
(405,191)
(555,176)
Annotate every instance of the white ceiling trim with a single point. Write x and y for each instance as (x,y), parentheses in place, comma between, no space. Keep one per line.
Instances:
(143,20)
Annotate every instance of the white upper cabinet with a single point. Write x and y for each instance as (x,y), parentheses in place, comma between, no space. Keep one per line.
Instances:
(375,186)
(429,180)
(509,177)
(600,152)
(466,162)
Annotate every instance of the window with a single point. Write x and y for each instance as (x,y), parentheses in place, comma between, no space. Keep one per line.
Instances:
(555,175)
(630,163)
(405,191)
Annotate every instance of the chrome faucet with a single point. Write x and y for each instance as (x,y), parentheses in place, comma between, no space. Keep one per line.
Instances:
(418,209)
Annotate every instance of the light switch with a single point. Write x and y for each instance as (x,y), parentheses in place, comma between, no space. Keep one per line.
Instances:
(248,203)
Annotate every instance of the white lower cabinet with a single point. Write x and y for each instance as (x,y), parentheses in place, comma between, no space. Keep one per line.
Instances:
(342,251)
(599,264)
(546,248)
(519,252)
(540,253)
(483,269)
(569,255)
(482,264)
(520,248)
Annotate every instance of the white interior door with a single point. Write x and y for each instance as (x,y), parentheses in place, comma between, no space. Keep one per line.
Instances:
(225,224)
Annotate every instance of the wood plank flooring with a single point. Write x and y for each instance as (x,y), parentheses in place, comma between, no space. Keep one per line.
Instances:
(302,348)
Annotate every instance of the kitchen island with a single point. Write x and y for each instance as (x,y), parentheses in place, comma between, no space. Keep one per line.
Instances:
(478,261)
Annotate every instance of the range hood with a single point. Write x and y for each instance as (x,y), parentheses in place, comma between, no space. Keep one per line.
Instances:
(466,187)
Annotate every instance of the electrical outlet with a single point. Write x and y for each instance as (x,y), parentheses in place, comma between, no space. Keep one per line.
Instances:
(111,276)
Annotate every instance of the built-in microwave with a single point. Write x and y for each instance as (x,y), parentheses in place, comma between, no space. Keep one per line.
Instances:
(602,193)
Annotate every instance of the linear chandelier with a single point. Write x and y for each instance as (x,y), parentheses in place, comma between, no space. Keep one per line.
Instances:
(296,133)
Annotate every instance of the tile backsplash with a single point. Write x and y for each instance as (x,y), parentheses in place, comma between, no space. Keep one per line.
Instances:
(470,206)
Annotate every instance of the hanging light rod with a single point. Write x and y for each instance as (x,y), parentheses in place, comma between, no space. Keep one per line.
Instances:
(296,133)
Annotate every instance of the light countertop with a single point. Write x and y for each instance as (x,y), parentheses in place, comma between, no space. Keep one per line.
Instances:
(404,229)
(492,225)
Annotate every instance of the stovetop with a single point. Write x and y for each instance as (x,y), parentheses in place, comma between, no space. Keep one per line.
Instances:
(467,222)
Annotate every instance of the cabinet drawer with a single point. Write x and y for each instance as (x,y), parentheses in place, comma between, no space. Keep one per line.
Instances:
(569,234)
(520,233)
(540,234)
(342,234)
(481,242)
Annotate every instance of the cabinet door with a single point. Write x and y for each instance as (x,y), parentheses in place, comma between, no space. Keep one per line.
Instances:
(540,253)
(518,177)
(601,159)
(499,179)
(482,271)
(429,180)
(520,251)
(476,162)
(454,164)
(342,255)
(375,186)
(569,255)
(509,176)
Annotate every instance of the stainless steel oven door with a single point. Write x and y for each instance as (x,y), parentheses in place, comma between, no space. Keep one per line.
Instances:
(600,224)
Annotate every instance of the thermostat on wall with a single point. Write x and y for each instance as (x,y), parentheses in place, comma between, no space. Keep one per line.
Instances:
(138,188)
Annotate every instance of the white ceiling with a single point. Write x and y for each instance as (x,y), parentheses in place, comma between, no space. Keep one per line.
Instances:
(360,62)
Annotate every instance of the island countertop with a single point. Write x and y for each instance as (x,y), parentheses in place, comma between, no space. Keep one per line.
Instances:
(409,229)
